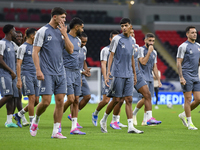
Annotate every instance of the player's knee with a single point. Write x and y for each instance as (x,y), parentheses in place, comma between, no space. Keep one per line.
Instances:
(147,95)
(129,100)
(46,103)
(107,100)
(88,97)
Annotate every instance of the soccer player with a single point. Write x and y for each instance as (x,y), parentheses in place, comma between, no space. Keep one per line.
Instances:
(19,38)
(188,58)
(143,89)
(73,75)
(123,70)
(8,73)
(115,124)
(28,81)
(17,100)
(49,42)
(85,71)
(147,61)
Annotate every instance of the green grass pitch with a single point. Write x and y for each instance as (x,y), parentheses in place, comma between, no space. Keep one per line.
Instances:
(170,135)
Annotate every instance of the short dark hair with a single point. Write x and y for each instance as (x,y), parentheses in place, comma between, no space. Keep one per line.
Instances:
(83,34)
(74,22)
(30,31)
(57,11)
(113,32)
(7,28)
(19,32)
(149,35)
(188,28)
(125,20)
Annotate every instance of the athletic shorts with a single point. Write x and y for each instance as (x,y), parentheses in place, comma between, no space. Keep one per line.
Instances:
(53,84)
(73,77)
(104,88)
(8,86)
(191,86)
(140,81)
(30,85)
(121,87)
(151,89)
(85,90)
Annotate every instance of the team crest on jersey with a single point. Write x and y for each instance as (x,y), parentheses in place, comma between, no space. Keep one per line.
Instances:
(133,45)
(191,51)
(49,37)
(198,49)
(62,36)
(84,53)
(7,91)
(29,52)
(123,45)
(8,49)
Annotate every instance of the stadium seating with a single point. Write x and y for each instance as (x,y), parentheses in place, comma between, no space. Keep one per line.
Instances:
(43,15)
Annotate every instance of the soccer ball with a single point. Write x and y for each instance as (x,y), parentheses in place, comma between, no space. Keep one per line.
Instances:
(169,105)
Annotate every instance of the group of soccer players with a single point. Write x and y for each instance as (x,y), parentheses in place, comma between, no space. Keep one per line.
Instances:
(52,61)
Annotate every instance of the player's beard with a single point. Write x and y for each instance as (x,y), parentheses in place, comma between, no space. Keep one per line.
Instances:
(147,45)
(78,33)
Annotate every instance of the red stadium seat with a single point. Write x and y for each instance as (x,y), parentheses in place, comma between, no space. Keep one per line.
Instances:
(6,10)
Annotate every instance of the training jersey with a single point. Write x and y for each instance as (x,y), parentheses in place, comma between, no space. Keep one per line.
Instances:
(71,60)
(51,53)
(148,68)
(7,50)
(123,47)
(82,57)
(190,52)
(104,55)
(25,54)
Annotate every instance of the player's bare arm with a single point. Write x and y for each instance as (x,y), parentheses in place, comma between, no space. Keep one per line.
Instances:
(103,68)
(19,82)
(155,72)
(134,72)
(179,66)
(39,74)
(110,60)
(86,71)
(6,67)
(68,44)
(144,60)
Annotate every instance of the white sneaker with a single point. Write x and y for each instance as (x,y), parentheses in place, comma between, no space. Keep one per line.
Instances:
(134,120)
(192,127)
(134,130)
(121,125)
(183,119)
(103,126)
(24,121)
(144,123)
(156,107)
